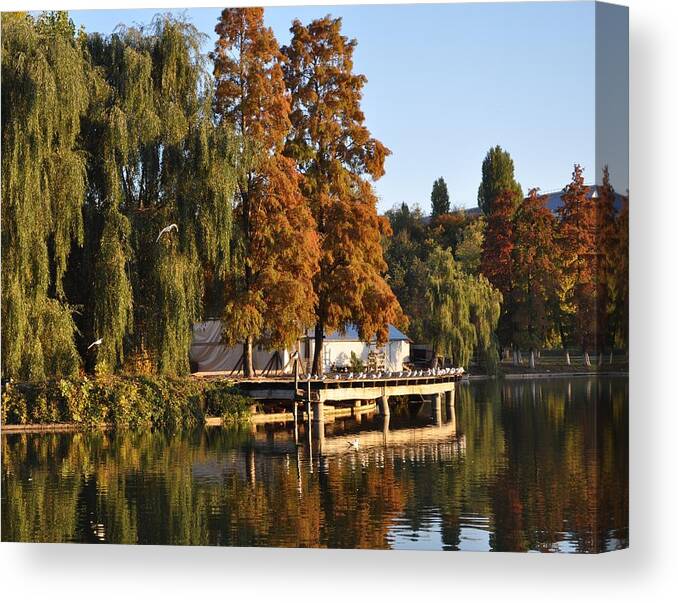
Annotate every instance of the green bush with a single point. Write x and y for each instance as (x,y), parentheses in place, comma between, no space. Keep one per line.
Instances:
(133,402)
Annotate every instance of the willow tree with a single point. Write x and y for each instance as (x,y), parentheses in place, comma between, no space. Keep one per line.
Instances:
(157,159)
(269,289)
(335,151)
(45,93)
(463,311)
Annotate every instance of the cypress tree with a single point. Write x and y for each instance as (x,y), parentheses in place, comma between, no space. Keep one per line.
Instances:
(498,177)
(440,198)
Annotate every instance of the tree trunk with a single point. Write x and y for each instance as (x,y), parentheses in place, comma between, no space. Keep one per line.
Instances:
(247,365)
(319,336)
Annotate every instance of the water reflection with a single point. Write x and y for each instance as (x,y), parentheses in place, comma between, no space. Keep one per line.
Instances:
(513,466)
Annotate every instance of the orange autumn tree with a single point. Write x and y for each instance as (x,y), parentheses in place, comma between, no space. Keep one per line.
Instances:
(535,272)
(496,260)
(269,291)
(578,249)
(334,151)
(605,260)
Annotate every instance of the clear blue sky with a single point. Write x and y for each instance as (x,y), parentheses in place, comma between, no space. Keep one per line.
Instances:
(446,82)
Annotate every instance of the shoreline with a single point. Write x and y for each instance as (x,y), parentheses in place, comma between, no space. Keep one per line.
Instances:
(547,375)
(286,417)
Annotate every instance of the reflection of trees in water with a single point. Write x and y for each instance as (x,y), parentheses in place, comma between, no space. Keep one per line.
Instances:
(541,468)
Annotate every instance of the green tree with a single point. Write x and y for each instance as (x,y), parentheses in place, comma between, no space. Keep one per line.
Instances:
(497,177)
(440,198)
(463,311)
(470,247)
(45,94)
(158,159)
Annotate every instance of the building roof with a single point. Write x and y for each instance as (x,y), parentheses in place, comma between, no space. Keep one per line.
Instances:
(351,334)
(554,200)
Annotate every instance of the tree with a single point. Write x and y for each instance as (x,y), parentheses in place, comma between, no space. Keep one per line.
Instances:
(578,246)
(440,199)
(535,273)
(157,159)
(463,311)
(605,260)
(498,178)
(334,150)
(269,289)
(45,94)
(619,319)
(446,228)
(496,262)
(470,248)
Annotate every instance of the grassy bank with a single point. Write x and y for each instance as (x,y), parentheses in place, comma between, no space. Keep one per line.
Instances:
(125,401)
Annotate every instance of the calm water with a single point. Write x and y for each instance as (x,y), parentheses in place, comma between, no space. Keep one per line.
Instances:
(519,466)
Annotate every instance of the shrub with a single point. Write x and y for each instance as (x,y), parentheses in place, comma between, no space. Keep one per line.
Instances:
(133,402)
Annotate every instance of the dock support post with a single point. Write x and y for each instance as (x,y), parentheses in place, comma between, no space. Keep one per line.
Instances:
(383,406)
(436,409)
(449,401)
(318,413)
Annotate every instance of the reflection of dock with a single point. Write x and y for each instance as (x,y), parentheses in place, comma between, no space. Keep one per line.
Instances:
(409,439)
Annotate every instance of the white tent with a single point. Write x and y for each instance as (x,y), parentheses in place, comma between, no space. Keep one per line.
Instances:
(209,354)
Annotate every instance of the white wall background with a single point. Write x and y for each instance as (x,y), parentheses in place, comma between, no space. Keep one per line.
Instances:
(647,572)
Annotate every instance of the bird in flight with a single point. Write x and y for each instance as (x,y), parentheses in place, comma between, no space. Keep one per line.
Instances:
(97,342)
(167,229)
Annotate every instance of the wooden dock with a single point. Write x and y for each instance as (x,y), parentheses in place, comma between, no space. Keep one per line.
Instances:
(315,394)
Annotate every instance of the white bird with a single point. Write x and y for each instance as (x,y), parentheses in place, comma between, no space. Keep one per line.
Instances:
(97,342)
(350,376)
(354,443)
(167,229)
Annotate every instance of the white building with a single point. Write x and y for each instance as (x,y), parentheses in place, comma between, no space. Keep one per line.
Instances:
(337,348)
(209,354)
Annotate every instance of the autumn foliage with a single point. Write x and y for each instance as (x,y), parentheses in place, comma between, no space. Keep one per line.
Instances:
(269,289)
(334,151)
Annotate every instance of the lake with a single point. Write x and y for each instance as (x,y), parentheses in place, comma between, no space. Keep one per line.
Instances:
(529,465)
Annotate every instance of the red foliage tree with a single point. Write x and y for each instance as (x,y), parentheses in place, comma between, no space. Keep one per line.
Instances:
(496,261)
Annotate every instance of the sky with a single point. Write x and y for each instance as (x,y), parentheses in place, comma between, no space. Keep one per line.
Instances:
(448,81)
